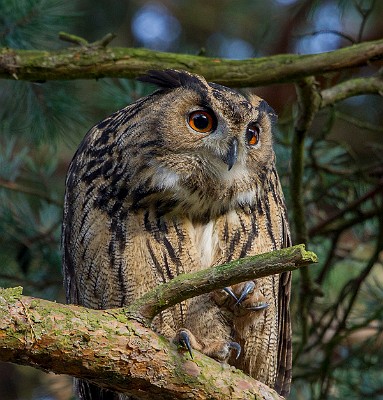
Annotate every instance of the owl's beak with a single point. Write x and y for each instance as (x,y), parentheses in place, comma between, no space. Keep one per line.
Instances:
(232,153)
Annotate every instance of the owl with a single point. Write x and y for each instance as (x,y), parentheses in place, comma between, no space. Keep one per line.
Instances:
(182,180)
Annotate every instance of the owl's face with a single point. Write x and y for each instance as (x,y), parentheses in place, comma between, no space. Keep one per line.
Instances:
(216,145)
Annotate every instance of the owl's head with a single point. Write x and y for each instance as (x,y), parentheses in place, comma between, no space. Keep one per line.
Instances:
(213,144)
(192,146)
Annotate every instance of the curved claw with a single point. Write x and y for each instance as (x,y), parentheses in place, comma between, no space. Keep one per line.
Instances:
(231,293)
(185,341)
(260,306)
(247,288)
(235,346)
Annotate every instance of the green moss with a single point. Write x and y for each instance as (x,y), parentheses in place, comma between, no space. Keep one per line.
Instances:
(12,294)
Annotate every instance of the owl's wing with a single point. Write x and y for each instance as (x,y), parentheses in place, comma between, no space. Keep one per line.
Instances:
(283,379)
(94,232)
(100,191)
(88,391)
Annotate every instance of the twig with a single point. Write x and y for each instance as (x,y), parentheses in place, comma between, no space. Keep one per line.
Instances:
(344,224)
(365,13)
(359,123)
(329,31)
(103,42)
(28,317)
(70,38)
(327,264)
(351,207)
(340,310)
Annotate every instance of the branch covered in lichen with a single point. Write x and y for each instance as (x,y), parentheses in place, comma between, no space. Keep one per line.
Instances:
(106,348)
(91,62)
(119,353)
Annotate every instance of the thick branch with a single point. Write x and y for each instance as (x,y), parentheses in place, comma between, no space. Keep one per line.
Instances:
(107,348)
(91,62)
(190,285)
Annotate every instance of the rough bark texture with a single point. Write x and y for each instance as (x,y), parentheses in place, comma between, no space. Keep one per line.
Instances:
(123,354)
(92,61)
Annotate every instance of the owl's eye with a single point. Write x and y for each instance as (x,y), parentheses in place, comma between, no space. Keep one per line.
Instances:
(201,121)
(252,133)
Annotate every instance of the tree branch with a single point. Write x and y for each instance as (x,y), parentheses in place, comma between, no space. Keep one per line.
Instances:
(354,206)
(353,87)
(107,348)
(92,62)
(186,286)
(308,105)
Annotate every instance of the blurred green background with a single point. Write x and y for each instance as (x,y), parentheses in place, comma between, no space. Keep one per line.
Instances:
(338,349)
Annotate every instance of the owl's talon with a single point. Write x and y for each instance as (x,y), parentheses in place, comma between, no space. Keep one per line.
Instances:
(235,346)
(247,288)
(231,293)
(185,341)
(260,306)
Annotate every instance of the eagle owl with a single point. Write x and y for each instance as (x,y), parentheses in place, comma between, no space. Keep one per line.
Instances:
(181,180)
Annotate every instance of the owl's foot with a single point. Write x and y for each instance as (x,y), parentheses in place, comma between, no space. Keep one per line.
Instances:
(249,299)
(220,350)
(184,340)
(230,292)
(242,298)
(217,349)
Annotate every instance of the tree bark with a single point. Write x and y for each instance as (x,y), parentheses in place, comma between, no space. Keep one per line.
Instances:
(120,353)
(93,61)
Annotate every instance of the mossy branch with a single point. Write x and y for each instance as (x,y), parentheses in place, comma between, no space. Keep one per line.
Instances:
(186,286)
(88,61)
(116,352)
(352,87)
(106,348)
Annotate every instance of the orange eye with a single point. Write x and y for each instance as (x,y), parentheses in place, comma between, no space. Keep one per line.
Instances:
(252,134)
(201,121)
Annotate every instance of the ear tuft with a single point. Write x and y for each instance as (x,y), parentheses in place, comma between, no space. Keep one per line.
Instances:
(171,78)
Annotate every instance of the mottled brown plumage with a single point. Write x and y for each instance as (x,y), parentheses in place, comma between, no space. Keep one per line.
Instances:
(181,180)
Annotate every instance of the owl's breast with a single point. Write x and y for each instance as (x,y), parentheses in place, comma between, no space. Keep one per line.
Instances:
(205,239)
